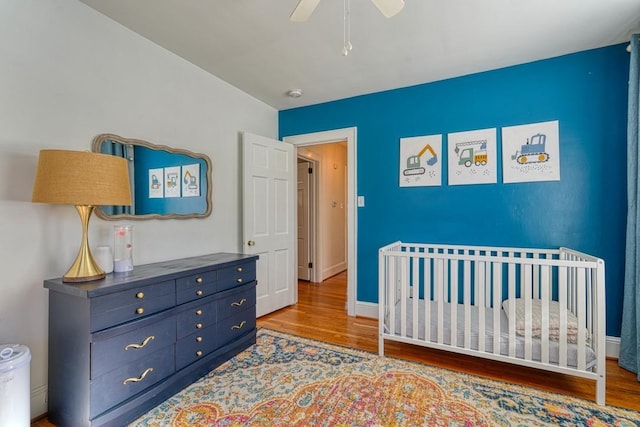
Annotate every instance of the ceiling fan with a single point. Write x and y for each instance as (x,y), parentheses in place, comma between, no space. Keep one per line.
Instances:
(305,8)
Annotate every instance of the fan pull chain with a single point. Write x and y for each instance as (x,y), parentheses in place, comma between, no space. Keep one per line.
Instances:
(347,28)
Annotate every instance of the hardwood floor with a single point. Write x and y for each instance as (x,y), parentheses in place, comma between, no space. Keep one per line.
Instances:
(321,314)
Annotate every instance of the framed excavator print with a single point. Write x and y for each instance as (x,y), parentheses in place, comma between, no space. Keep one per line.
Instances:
(472,157)
(421,161)
(531,152)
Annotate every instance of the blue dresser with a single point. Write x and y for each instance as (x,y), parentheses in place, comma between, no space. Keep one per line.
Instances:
(121,345)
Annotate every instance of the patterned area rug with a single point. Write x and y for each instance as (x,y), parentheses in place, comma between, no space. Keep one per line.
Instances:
(289,381)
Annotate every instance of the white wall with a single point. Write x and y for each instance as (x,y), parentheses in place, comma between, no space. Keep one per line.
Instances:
(68,73)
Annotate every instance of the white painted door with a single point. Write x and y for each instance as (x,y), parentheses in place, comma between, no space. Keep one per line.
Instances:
(304,259)
(269,179)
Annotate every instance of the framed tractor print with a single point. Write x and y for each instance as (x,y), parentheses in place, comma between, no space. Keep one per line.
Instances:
(531,152)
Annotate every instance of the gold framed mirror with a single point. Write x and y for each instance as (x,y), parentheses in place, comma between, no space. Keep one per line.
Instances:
(166,182)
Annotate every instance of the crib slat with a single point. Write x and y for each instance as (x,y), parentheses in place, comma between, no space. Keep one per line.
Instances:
(480,282)
(415,296)
(545,297)
(440,283)
(512,309)
(427,299)
(404,285)
(453,292)
(527,273)
(497,302)
(562,302)
(580,314)
(466,277)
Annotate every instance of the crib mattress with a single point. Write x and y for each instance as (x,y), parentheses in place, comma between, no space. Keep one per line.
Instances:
(554,347)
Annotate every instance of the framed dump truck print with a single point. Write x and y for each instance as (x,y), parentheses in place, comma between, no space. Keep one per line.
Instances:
(472,157)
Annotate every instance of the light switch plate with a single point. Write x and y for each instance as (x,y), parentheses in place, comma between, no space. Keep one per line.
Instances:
(360,201)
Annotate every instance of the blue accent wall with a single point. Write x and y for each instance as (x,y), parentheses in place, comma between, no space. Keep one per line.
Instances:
(586,210)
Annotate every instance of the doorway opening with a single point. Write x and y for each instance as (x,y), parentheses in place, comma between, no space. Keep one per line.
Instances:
(308,146)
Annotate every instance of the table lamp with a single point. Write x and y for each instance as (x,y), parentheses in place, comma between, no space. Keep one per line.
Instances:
(86,180)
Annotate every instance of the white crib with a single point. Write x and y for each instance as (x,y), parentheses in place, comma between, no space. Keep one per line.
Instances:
(532,307)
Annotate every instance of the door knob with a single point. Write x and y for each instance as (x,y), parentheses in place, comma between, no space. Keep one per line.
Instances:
(251,243)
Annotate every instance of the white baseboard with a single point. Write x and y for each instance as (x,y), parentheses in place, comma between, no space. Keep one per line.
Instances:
(612,347)
(38,401)
(370,309)
(334,269)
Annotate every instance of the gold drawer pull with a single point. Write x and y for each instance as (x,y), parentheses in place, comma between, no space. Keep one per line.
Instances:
(199,280)
(240,326)
(198,312)
(239,269)
(239,280)
(199,292)
(198,353)
(140,295)
(198,339)
(239,303)
(140,310)
(198,325)
(140,378)
(138,346)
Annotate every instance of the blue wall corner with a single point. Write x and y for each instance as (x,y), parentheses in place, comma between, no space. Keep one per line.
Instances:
(586,210)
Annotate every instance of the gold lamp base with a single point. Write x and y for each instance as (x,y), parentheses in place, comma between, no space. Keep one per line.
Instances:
(84,268)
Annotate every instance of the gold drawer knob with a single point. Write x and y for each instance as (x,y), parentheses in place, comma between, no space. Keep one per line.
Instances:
(238,303)
(239,269)
(240,326)
(139,310)
(198,353)
(199,292)
(140,378)
(198,339)
(239,280)
(199,280)
(140,295)
(198,325)
(198,312)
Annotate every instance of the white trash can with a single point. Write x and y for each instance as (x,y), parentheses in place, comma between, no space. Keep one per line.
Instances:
(15,394)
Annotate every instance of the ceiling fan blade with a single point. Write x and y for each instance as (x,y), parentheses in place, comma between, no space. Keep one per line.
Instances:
(388,7)
(303,10)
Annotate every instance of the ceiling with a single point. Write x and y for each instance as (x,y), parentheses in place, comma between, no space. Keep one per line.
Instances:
(252,45)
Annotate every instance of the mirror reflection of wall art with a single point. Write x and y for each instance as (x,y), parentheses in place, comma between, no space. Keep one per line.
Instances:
(420,163)
(472,157)
(531,152)
(172,181)
(166,182)
(156,183)
(190,180)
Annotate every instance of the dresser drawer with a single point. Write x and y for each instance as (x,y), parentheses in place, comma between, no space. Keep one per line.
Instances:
(113,309)
(236,275)
(238,301)
(237,325)
(195,346)
(132,378)
(196,286)
(196,316)
(120,350)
